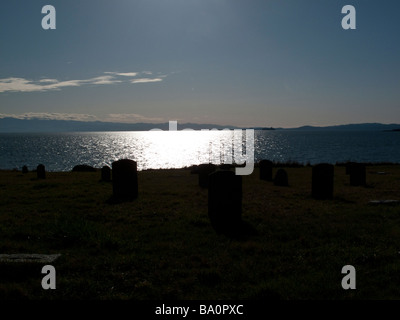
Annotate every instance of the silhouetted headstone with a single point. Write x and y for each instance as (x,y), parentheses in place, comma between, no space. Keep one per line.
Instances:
(106,174)
(24,169)
(265,167)
(204,170)
(125,182)
(348,166)
(322,181)
(225,201)
(357,173)
(281,178)
(41,171)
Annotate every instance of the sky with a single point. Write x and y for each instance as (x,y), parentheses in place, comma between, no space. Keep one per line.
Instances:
(269,63)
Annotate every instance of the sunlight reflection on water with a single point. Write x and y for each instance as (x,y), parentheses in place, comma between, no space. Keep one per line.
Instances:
(177,149)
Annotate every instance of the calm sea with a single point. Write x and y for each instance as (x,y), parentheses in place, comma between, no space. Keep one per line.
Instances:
(166,149)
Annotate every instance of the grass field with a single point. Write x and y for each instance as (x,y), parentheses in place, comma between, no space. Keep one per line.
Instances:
(162,246)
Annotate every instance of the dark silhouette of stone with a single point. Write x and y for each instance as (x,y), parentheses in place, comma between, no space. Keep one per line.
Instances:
(41,171)
(24,169)
(322,181)
(357,172)
(125,181)
(281,178)
(225,201)
(265,167)
(204,170)
(348,166)
(106,174)
(83,168)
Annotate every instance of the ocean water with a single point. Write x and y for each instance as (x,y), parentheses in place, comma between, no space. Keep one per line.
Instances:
(177,149)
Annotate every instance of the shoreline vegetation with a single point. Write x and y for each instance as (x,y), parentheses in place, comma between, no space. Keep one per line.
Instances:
(161,246)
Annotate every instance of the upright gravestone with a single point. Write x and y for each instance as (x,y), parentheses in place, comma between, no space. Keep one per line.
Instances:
(322,181)
(225,201)
(24,169)
(41,171)
(204,170)
(348,167)
(125,181)
(357,172)
(281,178)
(265,167)
(106,174)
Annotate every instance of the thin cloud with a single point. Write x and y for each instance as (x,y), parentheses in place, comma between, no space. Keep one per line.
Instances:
(123,74)
(48,80)
(103,80)
(146,80)
(51,116)
(113,117)
(130,118)
(15,84)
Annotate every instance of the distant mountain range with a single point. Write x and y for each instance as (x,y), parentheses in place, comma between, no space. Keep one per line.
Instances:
(353,127)
(40,125)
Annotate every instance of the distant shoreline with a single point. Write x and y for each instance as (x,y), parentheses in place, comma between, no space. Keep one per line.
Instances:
(393,130)
(15,125)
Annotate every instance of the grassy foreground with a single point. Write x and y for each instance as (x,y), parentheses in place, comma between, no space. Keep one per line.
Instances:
(162,246)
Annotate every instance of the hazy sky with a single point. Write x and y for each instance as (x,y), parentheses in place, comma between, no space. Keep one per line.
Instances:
(280,63)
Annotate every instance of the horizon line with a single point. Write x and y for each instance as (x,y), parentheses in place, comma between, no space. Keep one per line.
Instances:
(194,123)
